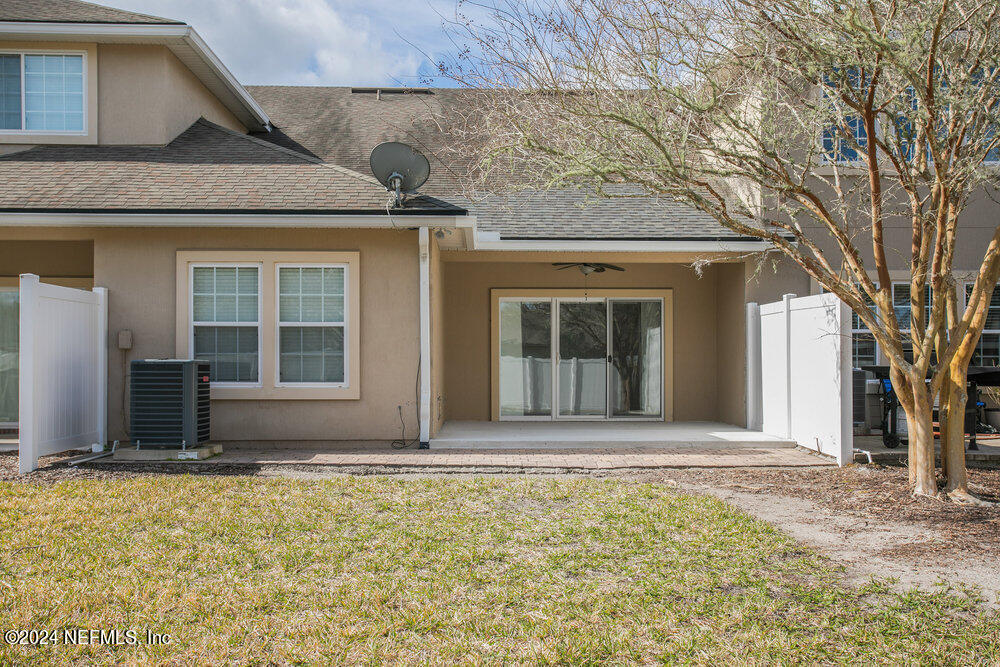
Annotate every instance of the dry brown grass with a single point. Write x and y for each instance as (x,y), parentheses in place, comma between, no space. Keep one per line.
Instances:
(497,570)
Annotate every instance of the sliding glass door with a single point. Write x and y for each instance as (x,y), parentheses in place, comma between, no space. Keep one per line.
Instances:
(525,358)
(580,359)
(583,365)
(636,358)
(8,356)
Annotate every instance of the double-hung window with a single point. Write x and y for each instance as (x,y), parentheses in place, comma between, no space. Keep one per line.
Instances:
(225,317)
(42,92)
(275,324)
(312,324)
(865,351)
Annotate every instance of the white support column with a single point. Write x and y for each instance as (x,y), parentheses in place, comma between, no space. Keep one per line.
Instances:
(102,368)
(755,409)
(425,337)
(27,427)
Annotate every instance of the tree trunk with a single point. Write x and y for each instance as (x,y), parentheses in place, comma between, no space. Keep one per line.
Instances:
(944,413)
(915,400)
(954,390)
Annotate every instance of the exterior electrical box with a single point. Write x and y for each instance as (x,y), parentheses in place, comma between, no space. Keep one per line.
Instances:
(169,402)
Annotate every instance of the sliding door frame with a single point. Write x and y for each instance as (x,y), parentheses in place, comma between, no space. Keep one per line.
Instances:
(607,295)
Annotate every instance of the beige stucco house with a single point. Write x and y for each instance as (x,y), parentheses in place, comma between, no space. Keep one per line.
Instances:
(242,225)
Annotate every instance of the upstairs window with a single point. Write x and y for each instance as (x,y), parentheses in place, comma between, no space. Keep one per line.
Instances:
(843,139)
(41,93)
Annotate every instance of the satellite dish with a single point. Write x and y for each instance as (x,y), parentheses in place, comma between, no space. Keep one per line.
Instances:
(399,167)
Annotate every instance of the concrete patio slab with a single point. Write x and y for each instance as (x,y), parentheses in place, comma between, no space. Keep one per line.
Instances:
(717,456)
(476,435)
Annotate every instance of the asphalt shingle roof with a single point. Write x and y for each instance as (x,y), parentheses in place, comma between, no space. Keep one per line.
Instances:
(72,11)
(207,168)
(342,126)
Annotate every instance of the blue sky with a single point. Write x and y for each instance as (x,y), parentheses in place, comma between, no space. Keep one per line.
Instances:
(315,42)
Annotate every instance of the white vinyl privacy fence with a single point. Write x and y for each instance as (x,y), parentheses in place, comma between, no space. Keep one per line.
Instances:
(63,369)
(799,372)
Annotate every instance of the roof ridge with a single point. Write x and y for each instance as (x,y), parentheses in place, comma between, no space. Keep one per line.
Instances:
(129,11)
(288,151)
(155,20)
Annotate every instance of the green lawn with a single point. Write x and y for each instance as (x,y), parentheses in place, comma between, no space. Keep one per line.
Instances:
(525,569)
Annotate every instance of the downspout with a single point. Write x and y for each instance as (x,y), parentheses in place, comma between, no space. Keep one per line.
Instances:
(425,338)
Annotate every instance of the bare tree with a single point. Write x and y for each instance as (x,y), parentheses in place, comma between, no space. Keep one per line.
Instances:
(818,125)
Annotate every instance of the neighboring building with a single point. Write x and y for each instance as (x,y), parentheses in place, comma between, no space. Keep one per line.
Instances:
(243,226)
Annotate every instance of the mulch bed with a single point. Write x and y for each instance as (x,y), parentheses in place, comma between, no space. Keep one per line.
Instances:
(876,493)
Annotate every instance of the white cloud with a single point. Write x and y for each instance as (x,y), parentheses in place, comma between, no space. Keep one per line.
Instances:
(314,42)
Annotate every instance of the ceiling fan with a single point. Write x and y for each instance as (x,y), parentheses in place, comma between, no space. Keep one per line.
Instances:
(586,268)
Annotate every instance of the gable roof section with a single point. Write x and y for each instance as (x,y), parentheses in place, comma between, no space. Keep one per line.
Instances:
(342,126)
(76,21)
(72,11)
(207,169)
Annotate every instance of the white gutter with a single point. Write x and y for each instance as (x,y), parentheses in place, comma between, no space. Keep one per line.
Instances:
(425,337)
(492,241)
(283,220)
(143,33)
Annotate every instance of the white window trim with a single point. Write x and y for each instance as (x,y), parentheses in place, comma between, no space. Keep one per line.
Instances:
(86,101)
(259,323)
(267,390)
(344,324)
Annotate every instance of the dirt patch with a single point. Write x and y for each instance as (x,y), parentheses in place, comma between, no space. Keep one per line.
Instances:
(865,518)
(873,494)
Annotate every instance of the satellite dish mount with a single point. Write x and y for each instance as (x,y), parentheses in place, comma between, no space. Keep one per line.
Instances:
(400,168)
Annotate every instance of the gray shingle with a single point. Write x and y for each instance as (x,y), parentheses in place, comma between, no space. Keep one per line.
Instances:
(342,127)
(206,168)
(72,11)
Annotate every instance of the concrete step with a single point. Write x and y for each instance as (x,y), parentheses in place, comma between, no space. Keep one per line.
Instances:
(167,453)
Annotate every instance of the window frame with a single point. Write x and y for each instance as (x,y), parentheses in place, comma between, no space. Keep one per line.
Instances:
(192,323)
(344,323)
(267,389)
(85,93)
(904,327)
(834,161)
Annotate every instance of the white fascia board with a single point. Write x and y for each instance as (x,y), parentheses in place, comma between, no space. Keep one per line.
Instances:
(277,220)
(570,245)
(194,40)
(156,33)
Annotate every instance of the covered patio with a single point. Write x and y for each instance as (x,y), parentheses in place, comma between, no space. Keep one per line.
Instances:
(559,435)
(528,353)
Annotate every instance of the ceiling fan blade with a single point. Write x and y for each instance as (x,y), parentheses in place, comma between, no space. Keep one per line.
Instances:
(613,267)
(564,263)
(564,266)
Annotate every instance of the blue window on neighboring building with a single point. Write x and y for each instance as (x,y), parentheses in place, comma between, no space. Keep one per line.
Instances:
(841,143)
